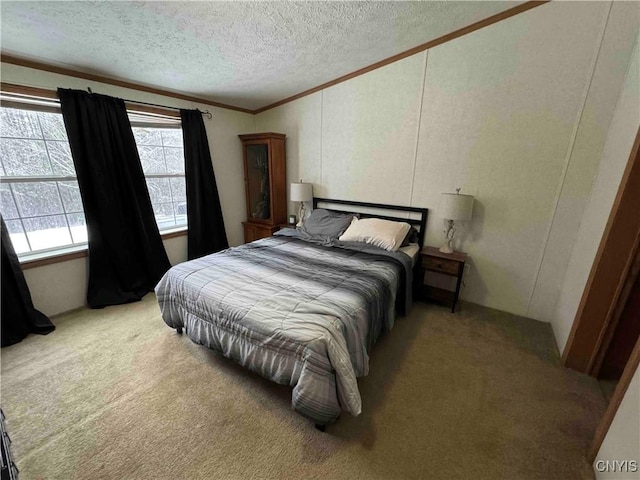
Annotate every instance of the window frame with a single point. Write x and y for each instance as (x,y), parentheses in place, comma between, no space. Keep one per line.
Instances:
(41,100)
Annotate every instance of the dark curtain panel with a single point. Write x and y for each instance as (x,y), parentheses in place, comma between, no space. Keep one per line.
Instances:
(19,316)
(126,254)
(206,227)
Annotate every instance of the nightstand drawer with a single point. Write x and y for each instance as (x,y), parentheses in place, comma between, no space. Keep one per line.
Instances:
(440,265)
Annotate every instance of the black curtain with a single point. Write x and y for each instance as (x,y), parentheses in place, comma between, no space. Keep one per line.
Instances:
(19,316)
(206,227)
(126,254)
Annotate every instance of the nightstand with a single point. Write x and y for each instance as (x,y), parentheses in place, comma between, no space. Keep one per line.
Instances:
(452,264)
(256,231)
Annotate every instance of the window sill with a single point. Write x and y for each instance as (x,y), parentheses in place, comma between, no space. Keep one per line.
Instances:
(71,253)
(173,232)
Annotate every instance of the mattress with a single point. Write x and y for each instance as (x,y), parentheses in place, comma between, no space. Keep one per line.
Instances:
(411,251)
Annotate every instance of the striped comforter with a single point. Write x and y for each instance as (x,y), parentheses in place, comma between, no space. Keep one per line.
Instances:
(295,312)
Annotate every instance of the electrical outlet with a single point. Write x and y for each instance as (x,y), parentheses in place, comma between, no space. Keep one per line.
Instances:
(467,270)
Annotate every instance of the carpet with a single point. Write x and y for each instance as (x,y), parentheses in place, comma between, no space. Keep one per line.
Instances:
(116,394)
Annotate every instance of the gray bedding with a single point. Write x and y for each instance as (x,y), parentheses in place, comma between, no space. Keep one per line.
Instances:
(295,312)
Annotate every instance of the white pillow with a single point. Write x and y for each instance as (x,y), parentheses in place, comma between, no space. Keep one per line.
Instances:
(375,231)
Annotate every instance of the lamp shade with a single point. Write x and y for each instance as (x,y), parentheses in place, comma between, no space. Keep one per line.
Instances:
(456,207)
(301,192)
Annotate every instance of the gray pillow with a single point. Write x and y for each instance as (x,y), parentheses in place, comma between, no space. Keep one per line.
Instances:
(324,223)
(412,237)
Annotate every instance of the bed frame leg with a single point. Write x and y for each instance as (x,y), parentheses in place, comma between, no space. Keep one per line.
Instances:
(179,330)
(322,428)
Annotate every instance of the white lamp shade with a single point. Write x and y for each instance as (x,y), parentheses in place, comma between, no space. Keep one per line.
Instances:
(301,192)
(456,207)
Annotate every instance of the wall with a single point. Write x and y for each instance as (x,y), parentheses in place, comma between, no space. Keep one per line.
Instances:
(585,152)
(62,286)
(514,114)
(622,441)
(623,438)
(622,133)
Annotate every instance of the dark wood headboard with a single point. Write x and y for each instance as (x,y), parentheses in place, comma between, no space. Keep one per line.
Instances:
(420,224)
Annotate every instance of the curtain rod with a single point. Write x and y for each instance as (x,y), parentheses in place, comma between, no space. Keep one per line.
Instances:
(206,113)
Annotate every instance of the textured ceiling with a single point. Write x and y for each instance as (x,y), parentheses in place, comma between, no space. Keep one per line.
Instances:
(246,54)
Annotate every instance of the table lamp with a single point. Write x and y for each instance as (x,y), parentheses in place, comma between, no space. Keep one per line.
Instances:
(454,207)
(301,192)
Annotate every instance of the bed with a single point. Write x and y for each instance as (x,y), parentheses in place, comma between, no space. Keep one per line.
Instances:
(301,311)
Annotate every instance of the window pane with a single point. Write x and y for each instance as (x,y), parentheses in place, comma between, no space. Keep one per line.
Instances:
(61,160)
(52,126)
(152,159)
(178,188)
(171,137)
(175,160)
(35,144)
(47,232)
(37,198)
(24,157)
(147,136)
(164,215)
(180,209)
(18,238)
(70,194)
(19,123)
(7,205)
(78,227)
(159,190)
(161,152)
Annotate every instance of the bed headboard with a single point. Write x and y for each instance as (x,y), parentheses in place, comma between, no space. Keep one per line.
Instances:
(419,223)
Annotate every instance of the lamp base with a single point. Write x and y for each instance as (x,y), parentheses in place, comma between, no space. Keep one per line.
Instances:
(301,212)
(449,234)
(446,249)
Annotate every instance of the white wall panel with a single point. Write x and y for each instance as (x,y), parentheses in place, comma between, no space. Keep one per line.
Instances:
(369,126)
(58,287)
(585,152)
(620,138)
(499,109)
(301,121)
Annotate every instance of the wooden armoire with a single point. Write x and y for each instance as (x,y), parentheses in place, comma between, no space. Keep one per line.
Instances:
(265,183)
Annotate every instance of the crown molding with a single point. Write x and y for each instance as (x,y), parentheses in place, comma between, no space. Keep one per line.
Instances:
(425,46)
(23,62)
(47,67)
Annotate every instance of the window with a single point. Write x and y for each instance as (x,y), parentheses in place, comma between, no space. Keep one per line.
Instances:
(40,200)
(162,159)
(39,195)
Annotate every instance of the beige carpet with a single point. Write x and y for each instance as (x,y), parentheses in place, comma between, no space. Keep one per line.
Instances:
(116,394)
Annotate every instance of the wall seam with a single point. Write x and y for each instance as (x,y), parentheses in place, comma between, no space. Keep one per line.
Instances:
(421,103)
(569,154)
(255,123)
(321,140)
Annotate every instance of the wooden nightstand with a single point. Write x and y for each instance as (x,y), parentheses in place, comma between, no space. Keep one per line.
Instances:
(255,231)
(432,260)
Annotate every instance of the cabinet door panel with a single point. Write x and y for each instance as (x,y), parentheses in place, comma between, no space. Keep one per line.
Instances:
(258,188)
